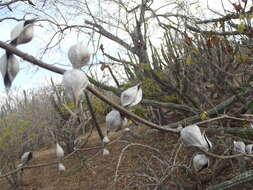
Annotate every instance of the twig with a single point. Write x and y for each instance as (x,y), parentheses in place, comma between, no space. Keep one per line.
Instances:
(224,156)
(121,155)
(230,33)
(221,117)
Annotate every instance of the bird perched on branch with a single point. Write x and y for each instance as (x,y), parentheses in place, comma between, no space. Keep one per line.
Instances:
(249,149)
(60,157)
(131,96)
(25,158)
(20,34)
(78,55)
(191,136)
(23,32)
(9,68)
(75,81)
(114,122)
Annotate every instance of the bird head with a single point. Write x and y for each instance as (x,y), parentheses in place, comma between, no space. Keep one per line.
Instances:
(30,21)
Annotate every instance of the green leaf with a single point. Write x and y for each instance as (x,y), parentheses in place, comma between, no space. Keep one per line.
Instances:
(241,27)
(203,115)
(189,60)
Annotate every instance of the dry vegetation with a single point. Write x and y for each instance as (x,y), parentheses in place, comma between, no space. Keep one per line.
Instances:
(199,71)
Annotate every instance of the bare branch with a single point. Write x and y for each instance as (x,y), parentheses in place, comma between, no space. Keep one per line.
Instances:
(230,33)
(112,37)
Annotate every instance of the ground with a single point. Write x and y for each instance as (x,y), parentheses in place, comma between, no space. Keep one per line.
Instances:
(141,167)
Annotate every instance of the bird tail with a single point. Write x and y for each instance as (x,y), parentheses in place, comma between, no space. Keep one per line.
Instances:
(105,152)
(61,167)
(7,78)
(7,81)
(106,139)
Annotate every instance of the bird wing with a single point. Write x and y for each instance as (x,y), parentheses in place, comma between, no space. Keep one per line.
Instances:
(249,148)
(81,81)
(84,54)
(191,136)
(113,120)
(59,153)
(24,158)
(200,162)
(67,82)
(138,97)
(75,81)
(239,147)
(13,67)
(73,56)
(9,68)
(16,31)
(3,64)
(128,96)
(125,99)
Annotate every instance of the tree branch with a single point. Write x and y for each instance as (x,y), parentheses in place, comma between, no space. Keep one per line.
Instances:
(227,17)
(112,37)
(212,32)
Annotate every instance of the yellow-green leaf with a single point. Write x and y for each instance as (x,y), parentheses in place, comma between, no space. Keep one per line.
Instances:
(203,115)
(241,16)
(189,60)
(241,27)
(196,51)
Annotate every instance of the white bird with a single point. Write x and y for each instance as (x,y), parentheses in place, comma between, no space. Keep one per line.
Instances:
(25,158)
(114,122)
(60,157)
(9,69)
(22,32)
(78,55)
(249,149)
(191,136)
(239,147)
(131,96)
(200,162)
(75,82)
